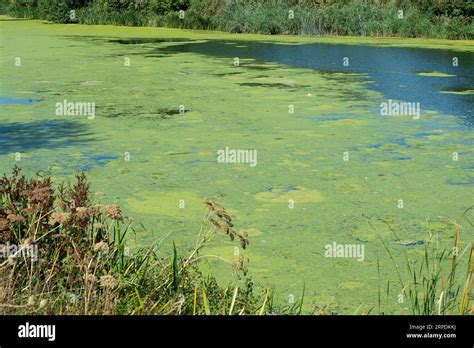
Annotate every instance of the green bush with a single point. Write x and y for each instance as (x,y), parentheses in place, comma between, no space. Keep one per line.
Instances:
(3,6)
(21,8)
(142,6)
(55,10)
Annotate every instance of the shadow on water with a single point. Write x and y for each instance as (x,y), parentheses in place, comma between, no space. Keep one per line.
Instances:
(23,137)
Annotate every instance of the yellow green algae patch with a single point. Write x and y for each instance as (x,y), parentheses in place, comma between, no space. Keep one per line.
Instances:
(186,205)
(434,74)
(461,92)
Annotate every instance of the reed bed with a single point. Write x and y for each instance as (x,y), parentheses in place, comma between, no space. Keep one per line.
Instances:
(431,282)
(447,19)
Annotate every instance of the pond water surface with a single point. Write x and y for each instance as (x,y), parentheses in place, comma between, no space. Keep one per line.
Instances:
(343,165)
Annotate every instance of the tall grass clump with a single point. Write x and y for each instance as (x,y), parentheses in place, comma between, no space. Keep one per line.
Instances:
(436,282)
(355,18)
(80,263)
(151,13)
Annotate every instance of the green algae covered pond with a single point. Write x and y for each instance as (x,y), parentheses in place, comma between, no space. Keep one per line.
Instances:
(328,166)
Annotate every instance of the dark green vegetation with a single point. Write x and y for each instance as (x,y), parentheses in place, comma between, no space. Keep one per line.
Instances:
(451,19)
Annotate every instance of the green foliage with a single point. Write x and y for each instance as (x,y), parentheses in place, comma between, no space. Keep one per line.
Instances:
(450,19)
(3,6)
(21,8)
(144,7)
(356,17)
(52,10)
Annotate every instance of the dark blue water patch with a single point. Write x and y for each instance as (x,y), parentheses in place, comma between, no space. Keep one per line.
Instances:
(399,141)
(461,183)
(401,158)
(102,159)
(29,136)
(12,101)
(89,161)
(285,189)
(409,243)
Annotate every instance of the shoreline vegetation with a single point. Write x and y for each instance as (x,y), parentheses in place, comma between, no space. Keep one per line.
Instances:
(83,266)
(440,19)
